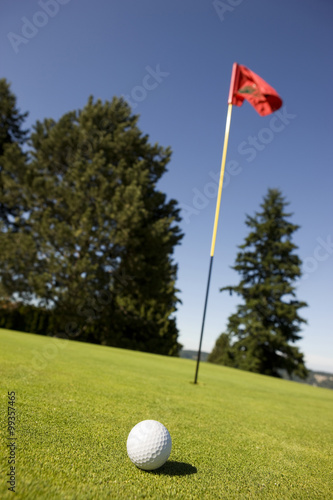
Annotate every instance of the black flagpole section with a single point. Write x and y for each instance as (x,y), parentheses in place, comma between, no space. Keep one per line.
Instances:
(203,318)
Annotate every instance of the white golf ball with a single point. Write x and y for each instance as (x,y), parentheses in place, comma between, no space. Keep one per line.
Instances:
(149,444)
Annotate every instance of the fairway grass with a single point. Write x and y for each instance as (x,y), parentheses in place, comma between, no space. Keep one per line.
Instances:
(235,435)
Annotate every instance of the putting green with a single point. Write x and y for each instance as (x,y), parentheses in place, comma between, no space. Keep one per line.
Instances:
(235,435)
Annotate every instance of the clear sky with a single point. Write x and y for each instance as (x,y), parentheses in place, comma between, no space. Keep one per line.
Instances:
(173,61)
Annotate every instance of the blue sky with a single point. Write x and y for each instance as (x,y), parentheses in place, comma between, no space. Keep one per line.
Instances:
(173,61)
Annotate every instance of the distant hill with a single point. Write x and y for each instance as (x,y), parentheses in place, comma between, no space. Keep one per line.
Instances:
(318,379)
(193,355)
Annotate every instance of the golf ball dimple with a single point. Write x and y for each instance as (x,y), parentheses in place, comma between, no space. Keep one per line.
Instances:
(149,444)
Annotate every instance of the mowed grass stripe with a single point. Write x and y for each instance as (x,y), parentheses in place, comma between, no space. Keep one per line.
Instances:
(235,435)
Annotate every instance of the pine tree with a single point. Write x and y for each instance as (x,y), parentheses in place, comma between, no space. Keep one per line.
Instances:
(97,246)
(12,162)
(261,334)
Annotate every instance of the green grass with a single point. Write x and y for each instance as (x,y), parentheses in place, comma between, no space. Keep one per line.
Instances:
(235,435)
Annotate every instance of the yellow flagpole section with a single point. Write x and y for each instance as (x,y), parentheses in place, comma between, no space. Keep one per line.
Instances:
(219,195)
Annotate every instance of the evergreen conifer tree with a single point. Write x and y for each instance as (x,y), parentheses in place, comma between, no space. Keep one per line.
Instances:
(12,163)
(261,334)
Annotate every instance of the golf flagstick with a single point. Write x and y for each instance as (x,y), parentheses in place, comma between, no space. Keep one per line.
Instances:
(233,82)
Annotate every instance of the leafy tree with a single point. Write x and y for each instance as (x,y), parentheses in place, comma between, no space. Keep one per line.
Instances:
(12,137)
(260,334)
(96,247)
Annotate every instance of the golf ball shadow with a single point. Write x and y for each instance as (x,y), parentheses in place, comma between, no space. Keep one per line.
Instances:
(174,468)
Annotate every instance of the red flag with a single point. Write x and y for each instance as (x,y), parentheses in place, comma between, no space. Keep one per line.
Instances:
(247,85)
